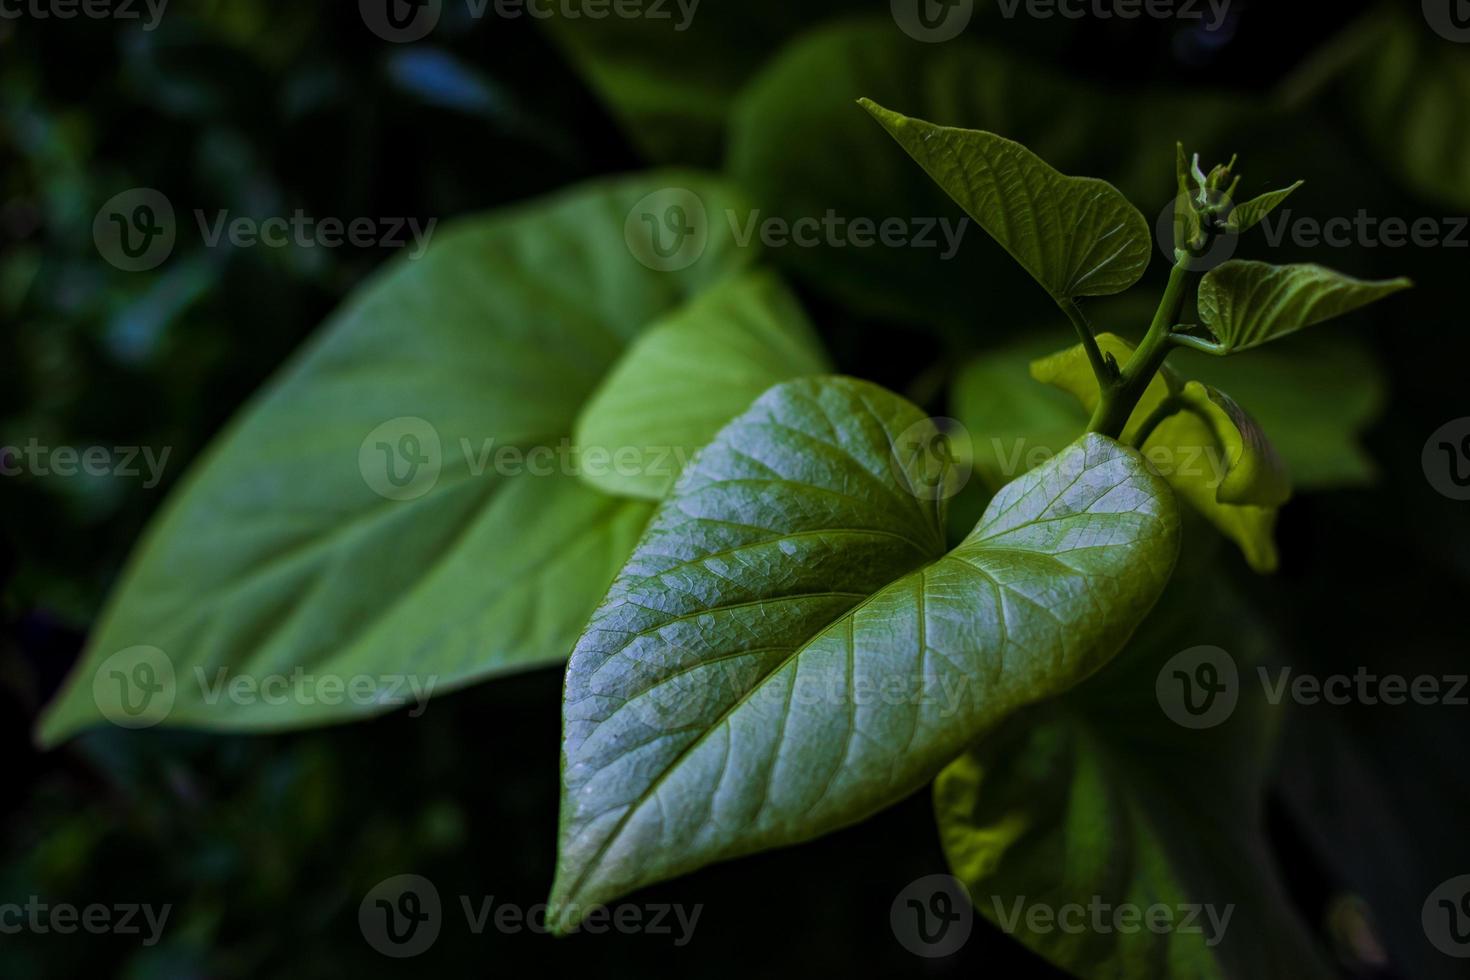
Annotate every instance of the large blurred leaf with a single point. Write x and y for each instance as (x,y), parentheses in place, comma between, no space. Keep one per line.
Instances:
(1015,422)
(805,98)
(1247,304)
(670,79)
(1314,396)
(686,377)
(1411,92)
(1100,800)
(715,705)
(1077,236)
(353,520)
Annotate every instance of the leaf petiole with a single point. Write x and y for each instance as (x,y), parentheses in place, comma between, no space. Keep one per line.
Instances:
(1120,397)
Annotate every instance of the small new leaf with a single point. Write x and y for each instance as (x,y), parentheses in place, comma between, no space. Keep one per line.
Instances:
(790,648)
(1077,236)
(1246,216)
(1247,304)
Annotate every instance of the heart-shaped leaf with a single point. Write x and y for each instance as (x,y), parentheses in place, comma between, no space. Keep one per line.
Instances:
(1246,304)
(1077,236)
(1183,447)
(790,648)
(686,377)
(400,505)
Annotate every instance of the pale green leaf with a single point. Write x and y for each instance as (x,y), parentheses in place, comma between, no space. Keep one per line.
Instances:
(1077,236)
(1256,474)
(1246,304)
(290,551)
(790,648)
(684,378)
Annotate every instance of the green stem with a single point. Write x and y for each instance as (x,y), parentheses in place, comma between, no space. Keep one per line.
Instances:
(1168,408)
(1118,399)
(1105,373)
(1197,343)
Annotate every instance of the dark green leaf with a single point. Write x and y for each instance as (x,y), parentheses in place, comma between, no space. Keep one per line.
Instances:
(1412,95)
(670,78)
(1100,800)
(1077,236)
(805,97)
(1246,304)
(1246,216)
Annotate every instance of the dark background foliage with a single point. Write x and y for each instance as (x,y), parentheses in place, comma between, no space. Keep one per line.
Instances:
(265,845)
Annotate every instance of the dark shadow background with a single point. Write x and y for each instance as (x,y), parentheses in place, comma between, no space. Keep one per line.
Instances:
(265,845)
